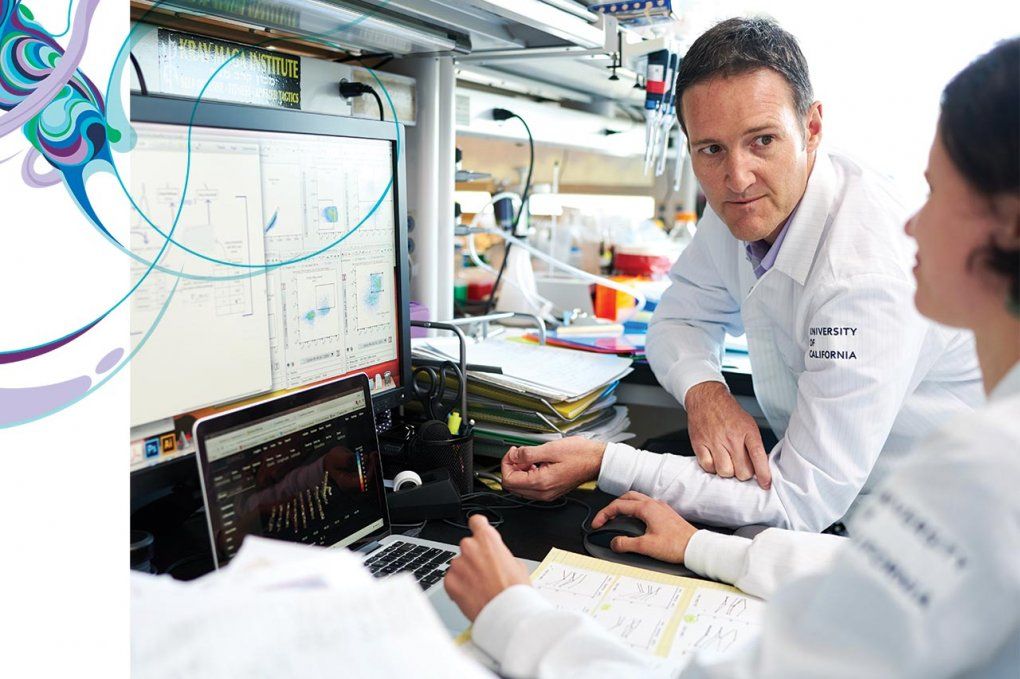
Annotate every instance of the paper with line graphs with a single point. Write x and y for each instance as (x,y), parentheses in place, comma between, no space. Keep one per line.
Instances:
(665,615)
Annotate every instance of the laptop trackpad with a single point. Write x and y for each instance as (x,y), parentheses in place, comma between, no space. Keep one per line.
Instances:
(452,618)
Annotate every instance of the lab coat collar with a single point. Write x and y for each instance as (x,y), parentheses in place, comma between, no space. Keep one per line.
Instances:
(809,220)
(1008,385)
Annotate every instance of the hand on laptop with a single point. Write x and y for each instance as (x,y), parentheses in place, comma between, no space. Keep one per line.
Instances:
(725,438)
(548,471)
(666,532)
(482,570)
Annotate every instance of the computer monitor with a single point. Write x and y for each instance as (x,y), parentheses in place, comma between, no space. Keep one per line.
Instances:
(302,467)
(290,256)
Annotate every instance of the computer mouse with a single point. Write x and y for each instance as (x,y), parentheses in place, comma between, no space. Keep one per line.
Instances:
(626,526)
(598,542)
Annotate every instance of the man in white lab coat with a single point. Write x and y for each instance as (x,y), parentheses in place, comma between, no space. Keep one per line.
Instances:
(928,584)
(802,251)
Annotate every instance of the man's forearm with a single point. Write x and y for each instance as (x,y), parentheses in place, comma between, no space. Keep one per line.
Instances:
(683,355)
(693,493)
(704,393)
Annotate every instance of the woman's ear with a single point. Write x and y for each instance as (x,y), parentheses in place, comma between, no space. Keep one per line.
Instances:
(1006,232)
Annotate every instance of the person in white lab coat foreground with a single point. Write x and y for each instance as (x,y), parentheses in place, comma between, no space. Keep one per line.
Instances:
(802,251)
(929,583)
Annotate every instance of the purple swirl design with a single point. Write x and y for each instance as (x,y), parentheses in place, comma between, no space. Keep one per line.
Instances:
(24,355)
(60,111)
(62,114)
(27,403)
(33,178)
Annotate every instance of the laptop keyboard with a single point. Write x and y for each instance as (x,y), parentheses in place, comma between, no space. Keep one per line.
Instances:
(426,564)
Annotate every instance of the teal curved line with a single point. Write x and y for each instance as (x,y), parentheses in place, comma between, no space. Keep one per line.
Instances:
(126,295)
(264,268)
(194,111)
(258,268)
(112,373)
(70,7)
(106,313)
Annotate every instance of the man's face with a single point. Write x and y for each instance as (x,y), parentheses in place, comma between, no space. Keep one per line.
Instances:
(751,151)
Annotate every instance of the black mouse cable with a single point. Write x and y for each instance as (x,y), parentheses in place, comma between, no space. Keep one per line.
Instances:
(587,509)
(508,502)
(491,511)
(511,502)
(490,474)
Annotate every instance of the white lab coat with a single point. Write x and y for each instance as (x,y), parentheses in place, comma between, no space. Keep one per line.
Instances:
(928,587)
(844,367)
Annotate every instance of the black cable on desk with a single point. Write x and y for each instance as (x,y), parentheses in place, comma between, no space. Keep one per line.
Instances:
(509,502)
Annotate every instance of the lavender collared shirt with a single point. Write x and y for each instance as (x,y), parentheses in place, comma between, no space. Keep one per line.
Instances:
(762,255)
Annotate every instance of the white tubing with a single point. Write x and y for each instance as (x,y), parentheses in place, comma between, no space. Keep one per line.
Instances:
(540,303)
(579,273)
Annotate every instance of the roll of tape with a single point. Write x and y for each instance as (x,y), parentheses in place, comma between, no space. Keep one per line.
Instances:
(406,479)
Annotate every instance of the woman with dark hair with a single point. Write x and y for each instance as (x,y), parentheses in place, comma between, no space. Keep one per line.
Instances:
(929,584)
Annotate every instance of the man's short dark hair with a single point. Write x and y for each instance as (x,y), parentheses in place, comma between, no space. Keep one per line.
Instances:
(738,46)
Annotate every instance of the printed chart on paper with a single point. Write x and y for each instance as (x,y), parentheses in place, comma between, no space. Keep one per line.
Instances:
(668,616)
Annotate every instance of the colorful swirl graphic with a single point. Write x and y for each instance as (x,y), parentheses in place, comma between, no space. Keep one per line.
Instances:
(63,112)
(63,115)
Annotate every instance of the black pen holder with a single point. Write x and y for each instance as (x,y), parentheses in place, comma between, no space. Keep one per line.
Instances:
(455,454)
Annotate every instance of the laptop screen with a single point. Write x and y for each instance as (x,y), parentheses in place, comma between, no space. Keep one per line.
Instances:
(304,468)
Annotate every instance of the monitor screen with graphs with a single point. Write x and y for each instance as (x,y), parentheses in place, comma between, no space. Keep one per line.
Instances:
(272,253)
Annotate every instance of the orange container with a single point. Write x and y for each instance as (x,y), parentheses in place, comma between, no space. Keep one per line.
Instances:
(609,302)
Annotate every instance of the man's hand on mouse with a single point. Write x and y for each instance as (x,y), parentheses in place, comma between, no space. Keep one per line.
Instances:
(666,532)
(548,471)
(482,570)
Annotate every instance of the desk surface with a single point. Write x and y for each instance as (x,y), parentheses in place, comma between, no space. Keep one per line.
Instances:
(530,532)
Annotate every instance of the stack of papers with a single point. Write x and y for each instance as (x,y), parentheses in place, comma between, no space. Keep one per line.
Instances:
(548,372)
(543,393)
(285,610)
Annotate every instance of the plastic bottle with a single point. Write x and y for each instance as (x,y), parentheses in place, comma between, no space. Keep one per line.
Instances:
(460,279)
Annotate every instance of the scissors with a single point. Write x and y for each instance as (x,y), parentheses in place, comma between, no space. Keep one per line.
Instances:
(432,388)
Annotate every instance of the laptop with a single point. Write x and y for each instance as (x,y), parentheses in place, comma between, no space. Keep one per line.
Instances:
(305,467)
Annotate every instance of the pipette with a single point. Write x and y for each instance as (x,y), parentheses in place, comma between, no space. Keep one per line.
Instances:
(655,86)
(668,118)
(681,157)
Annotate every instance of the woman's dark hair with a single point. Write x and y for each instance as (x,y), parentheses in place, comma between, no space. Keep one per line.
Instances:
(737,46)
(980,129)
